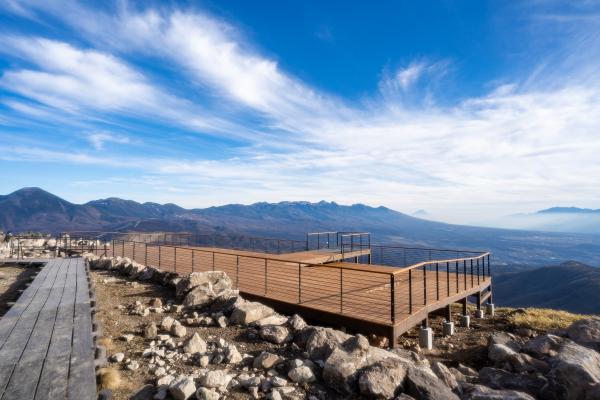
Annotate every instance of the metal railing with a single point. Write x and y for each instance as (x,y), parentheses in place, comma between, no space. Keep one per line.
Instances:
(367,292)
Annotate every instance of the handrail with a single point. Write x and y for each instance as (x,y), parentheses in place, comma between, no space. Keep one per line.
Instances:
(433,262)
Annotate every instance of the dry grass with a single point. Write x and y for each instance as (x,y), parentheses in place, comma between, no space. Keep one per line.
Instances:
(105,342)
(541,319)
(109,378)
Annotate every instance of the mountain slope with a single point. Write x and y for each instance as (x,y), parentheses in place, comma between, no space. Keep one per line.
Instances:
(570,286)
(35,209)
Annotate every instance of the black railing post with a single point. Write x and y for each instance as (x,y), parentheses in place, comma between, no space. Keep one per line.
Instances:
(448,277)
(465,272)
(237,272)
(478,282)
(193,260)
(425,284)
(457,284)
(134,251)
(472,278)
(299,283)
(266,276)
(392,298)
(122,248)
(146,253)
(410,302)
(437,281)
(341,290)
(159,255)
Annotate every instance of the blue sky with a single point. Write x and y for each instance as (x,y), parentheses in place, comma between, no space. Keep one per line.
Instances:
(470,110)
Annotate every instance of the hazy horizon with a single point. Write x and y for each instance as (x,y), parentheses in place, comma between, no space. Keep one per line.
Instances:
(525,221)
(471,112)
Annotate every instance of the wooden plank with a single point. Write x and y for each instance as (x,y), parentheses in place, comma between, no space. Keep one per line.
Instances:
(12,316)
(55,372)
(25,376)
(82,381)
(15,344)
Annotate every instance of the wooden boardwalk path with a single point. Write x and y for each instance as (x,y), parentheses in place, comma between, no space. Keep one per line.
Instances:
(46,343)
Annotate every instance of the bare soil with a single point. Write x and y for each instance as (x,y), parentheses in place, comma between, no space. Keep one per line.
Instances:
(116,321)
(13,279)
(468,346)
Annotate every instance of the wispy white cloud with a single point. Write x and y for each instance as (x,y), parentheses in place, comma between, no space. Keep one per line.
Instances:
(524,142)
(98,139)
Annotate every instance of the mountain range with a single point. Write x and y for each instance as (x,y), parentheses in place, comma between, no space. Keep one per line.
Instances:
(556,219)
(33,209)
(570,286)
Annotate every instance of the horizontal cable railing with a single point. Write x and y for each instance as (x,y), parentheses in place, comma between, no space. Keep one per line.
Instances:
(366,292)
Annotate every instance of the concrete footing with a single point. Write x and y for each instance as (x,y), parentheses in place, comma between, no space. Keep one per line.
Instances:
(490,309)
(426,338)
(448,328)
(479,314)
(465,321)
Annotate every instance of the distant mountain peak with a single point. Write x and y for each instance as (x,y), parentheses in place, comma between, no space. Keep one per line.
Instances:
(567,210)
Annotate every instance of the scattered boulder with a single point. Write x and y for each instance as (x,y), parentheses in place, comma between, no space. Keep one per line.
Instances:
(207,394)
(485,393)
(522,362)
(146,274)
(117,357)
(421,383)
(214,281)
(445,375)
(178,330)
(275,319)
(182,389)
(499,353)
(323,341)
(232,354)
(302,374)
(167,323)
(215,379)
(150,330)
(275,334)
(341,369)
(266,360)
(297,323)
(505,339)
(382,380)
(248,312)
(195,344)
(500,379)
(199,297)
(586,332)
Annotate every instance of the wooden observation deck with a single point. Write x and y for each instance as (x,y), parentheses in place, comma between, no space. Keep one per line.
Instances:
(384,290)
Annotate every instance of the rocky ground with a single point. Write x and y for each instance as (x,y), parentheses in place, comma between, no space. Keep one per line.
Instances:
(194,337)
(13,279)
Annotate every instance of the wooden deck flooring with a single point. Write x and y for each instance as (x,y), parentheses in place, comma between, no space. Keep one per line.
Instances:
(46,343)
(389,297)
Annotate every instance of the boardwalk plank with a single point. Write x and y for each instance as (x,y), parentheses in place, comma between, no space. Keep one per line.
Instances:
(26,374)
(15,344)
(55,372)
(82,382)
